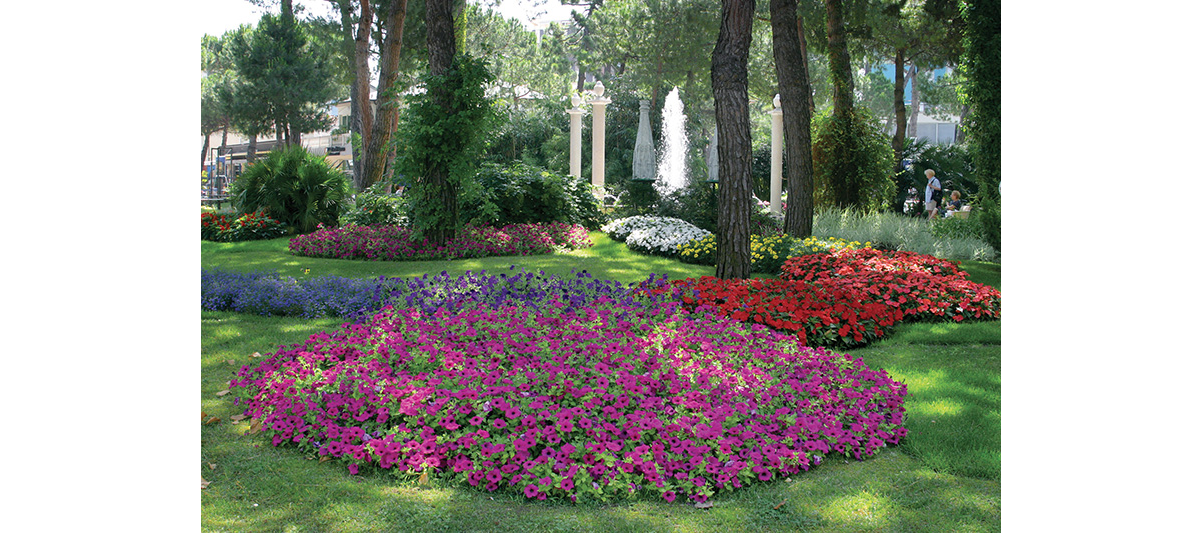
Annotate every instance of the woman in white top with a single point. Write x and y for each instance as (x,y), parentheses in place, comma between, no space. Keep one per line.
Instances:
(931,185)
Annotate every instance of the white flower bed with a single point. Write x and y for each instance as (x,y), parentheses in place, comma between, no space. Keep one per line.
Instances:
(654,235)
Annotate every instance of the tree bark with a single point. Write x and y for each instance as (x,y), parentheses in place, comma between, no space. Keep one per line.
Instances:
(916,103)
(252,149)
(356,48)
(839,59)
(898,108)
(730,94)
(387,99)
(794,92)
(204,152)
(439,27)
(812,108)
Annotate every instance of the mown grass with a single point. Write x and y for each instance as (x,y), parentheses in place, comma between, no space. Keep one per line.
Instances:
(944,477)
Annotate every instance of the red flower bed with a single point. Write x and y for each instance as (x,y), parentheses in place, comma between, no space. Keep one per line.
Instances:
(844,298)
(921,286)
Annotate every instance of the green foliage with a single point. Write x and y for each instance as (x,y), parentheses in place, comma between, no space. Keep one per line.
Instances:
(282,78)
(958,228)
(951,164)
(981,65)
(521,193)
(375,206)
(454,137)
(852,162)
(695,203)
(294,187)
(536,135)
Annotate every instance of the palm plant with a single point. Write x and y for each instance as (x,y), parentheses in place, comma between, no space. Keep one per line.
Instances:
(294,187)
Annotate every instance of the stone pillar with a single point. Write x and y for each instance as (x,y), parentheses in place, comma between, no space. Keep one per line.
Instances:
(598,104)
(776,158)
(576,136)
(644,164)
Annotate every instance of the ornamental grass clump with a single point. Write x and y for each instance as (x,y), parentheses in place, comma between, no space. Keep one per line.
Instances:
(571,403)
(400,243)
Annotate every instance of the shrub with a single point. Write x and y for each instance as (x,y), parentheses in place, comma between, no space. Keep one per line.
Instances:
(957,228)
(696,204)
(581,404)
(249,227)
(852,163)
(816,245)
(396,243)
(294,187)
(521,194)
(375,206)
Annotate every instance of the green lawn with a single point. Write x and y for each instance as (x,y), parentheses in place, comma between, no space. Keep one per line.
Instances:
(944,477)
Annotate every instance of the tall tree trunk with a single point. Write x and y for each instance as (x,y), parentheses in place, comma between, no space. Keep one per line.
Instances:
(439,28)
(360,82)
(839,59)
(730,94)
(252,149)
(387,98)
(204,152)
(794,90)
(898,108)
(585,44)
(812,108)
(916,103)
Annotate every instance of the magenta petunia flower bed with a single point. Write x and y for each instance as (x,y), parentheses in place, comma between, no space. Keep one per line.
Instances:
(398,243)
(572,403)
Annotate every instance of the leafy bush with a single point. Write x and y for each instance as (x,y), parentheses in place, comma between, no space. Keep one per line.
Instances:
(397,243)
(446,136)
(581,404)
(294,187)
(951,164)
(375,206)
(521,194)
(228,228)
(696,204)
(852,163)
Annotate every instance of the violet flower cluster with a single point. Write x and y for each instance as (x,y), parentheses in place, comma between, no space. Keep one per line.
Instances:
(575,402)
(357,299)
(398,243)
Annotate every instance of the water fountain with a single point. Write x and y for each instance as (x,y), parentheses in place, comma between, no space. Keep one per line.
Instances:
(672,166)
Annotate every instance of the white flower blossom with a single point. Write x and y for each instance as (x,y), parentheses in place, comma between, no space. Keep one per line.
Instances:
(656,235)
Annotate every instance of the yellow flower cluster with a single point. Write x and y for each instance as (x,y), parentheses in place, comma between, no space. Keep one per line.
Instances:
(767,248)
(697,249)
(814,245)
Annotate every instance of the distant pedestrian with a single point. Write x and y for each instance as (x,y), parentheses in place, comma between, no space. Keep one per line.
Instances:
(932,184)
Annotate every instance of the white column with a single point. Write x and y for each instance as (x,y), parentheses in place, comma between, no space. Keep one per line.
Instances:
(576,136)
(598,104)
(776,158)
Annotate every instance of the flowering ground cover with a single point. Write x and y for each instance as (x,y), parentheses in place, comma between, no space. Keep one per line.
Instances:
(767,252)
(397,243)
(572,402)
(233,228)
(334,296)
(918,285)
(846,297)
(654,235)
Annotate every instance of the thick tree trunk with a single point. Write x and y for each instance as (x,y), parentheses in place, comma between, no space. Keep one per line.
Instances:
(898,108)
(439,27)
(730,93)
(839,59)
(387,99)
(794,91)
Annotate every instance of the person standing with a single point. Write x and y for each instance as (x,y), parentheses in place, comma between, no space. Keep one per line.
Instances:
(931,184)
